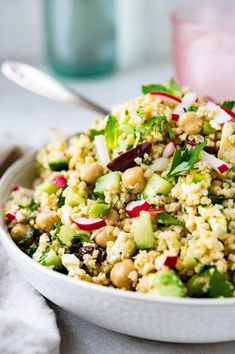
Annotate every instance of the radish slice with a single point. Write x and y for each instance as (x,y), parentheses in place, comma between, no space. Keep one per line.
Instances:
(166,97)
(15,189)
(210,99)
(169,149)
(9,216)
(166,261)
(156,211)
(217,164)
(228,111)
(102,149)
(224,115)
(160,164)
(175,117)
(221,117)
(89,224)
(133,209)
(187,102)
(19,216)
(59,181)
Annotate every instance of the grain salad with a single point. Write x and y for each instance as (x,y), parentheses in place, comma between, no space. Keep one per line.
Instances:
(143,201)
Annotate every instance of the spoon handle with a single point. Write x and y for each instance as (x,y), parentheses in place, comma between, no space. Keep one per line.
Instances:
(42,84)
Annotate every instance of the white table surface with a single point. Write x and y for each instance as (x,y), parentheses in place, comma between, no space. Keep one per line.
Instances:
(28,118)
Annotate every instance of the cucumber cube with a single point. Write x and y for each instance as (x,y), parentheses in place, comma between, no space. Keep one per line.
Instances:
(98,209)
(47,187)
(156,185)
(111,181)
(66,234)
(59,165)
(143,231)
(166,282)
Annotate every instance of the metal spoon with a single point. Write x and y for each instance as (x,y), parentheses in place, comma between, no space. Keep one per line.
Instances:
(38,82)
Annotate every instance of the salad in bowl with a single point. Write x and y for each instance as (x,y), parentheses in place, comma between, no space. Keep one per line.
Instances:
(144,200)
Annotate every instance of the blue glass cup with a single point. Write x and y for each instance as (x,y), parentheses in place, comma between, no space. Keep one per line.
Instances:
(80,36)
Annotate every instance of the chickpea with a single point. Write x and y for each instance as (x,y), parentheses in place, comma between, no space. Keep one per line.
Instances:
(90,172)
(134,178)
(120,272)
(112,216)
(190,123)
(46,220)
(102,237)
(19,231)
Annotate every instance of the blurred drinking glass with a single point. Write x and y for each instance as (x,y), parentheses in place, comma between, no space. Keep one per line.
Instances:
(80,36)
(203,49)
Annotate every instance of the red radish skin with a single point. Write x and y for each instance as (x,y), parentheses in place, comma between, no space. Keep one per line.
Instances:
(134,208)
(10,217)
(156,211)
(210,99)
(166,261)
(213,161)
(175,117)
(89,224)
(228,111)
(15,189)
(59,181)
(223,168)
(169,149)
(166,97)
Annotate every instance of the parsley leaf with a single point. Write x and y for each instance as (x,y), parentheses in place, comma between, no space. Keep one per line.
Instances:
(228,104)
(111,131)
(31,234)
(186,160)
(191,109)
(30,250)
(32,206)
(161,122)
(79,239)
(94,132)
(44,255)
(171,88)
(61,198)
(167,219)
(173,85)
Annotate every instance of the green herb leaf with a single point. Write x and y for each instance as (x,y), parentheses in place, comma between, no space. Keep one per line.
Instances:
(191,109)
(155,88)
(186,160)
(44,256)
(32,206)
(79,239)
(61,199)
(94,132)
(159,121)
(111,131)
(228,104)
(31,234)
(171,88)
(167,219)
(57,226)
(30,250)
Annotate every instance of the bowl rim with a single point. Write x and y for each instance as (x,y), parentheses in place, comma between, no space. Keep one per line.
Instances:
(128,295)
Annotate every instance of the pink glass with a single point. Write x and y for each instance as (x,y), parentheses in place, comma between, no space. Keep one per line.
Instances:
(203,49)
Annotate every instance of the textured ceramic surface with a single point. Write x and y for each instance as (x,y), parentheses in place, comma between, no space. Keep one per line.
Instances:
(165,319)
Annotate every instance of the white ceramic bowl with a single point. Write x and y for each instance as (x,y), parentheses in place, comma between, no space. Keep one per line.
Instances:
(158,318)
